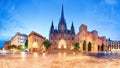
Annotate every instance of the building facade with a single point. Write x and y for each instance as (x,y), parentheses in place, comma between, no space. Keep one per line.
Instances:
(84,37)
(114,46)
(19,39)
(6,44)
(61,37)
(35,41)
(64,38)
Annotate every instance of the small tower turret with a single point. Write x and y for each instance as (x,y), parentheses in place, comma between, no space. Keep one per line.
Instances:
(72,29)
(52,28)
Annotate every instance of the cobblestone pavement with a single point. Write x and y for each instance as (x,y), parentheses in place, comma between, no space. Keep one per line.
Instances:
(60,60)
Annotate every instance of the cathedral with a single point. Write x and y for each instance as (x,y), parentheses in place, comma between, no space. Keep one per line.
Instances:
(62,37)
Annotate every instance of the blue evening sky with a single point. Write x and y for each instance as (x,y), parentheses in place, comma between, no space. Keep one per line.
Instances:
(25,16)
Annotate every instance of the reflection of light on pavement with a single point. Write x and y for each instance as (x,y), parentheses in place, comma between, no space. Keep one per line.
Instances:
(53,61)
(4,51)
(35,54)
(73,53)
(44,55)
(64,54)
(59,54)
(23,55)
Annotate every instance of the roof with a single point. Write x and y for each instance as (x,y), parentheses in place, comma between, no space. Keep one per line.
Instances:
(35,33)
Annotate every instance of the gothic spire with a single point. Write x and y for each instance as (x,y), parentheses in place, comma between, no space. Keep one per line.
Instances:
(72,28)
(62,12)
(62,23)
(52,28)
(52,24)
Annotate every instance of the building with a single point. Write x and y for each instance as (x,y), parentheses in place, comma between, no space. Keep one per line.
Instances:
(19,39)
(113,46)
(64,38)
(61,37)
(35,41)
(6,44)
(84,37)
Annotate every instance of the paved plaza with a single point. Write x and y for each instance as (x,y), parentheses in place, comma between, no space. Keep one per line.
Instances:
(58,60)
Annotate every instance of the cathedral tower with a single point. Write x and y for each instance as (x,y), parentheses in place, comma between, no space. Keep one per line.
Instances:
(62,37)
(62,27)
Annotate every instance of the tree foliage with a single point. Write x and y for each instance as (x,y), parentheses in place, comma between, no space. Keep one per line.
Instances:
(20,47)
(26,44)
(12,47)
(76,46)
(46,44)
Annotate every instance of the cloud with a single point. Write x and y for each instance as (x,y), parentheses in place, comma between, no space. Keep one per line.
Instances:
(8,23)
(6,12)
(111,2)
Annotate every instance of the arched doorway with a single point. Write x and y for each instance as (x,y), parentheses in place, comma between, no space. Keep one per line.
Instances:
(99,48)
(89,46)
(84,45)
(62,44)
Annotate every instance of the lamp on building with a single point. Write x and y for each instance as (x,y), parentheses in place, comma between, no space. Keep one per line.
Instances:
(35,45)
(23,47)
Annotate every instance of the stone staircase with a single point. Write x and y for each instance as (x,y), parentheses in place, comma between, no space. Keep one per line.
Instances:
(52,51)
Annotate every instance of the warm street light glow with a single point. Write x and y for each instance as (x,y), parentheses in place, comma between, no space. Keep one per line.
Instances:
(35,45)
(23,47)
(44,55)
(61,44)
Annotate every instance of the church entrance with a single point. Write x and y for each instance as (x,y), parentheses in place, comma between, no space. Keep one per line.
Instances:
(62,44)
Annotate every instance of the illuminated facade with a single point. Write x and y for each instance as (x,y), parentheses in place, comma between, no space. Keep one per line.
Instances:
(6,44)
(35,41)
(19,39)
(85,37)
(64,38)
(114,45)
(61,37)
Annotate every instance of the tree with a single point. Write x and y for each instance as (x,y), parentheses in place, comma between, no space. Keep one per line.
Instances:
(76,46)
(89,46)
(20,47)
(46,44)
(102,47)
(14,46)
(84,45)
(9,47)
(26,44)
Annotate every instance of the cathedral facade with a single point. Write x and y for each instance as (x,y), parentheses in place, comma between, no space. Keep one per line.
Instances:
(61,37)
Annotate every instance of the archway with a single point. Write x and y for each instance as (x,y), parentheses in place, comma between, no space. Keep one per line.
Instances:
(62,44)
(84,45)
(89,46)
(99,47)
